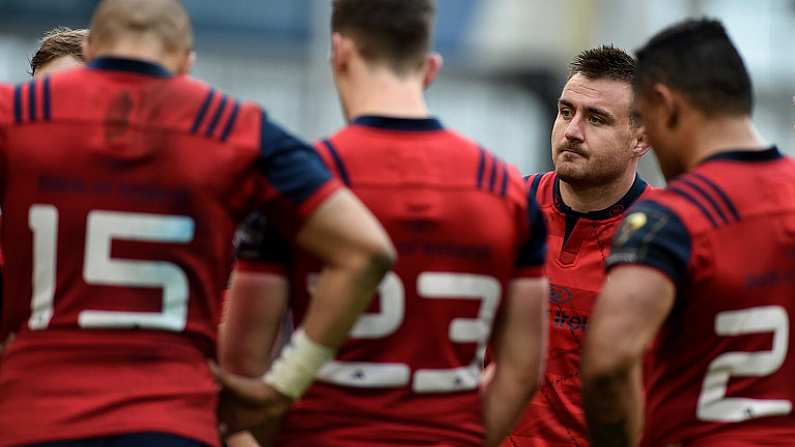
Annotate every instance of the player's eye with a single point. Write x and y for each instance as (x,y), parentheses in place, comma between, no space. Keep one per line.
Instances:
(565,113)
(596,120)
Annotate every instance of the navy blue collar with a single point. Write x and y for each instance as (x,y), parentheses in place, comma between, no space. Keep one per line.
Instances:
(130,65)
(395,123)
(769,154)
(618,208)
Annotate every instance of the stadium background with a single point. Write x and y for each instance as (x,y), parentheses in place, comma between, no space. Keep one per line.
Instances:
(505,59)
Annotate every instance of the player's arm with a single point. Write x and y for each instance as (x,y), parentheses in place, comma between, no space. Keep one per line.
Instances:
(519,338)
(335,227)
(650,255)
(257,297)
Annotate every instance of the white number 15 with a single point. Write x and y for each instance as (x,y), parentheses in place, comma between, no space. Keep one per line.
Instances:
(102,227)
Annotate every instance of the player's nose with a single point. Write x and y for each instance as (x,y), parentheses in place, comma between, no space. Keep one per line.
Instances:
(574,130)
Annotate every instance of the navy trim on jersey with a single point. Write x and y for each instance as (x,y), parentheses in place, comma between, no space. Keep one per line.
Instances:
(18,104)
(493,174)
(126,440)
(203,111)
(32,100)
(289,164)
(46,99)
(395,123)
(481,166)
(724,197)
(635,191)
(230,123)
(653,235)
(130,65)
(338,163)
(217,116)
(534,251)
(709,199)
(695,203)
(504,185)
(752,156)
(536,183)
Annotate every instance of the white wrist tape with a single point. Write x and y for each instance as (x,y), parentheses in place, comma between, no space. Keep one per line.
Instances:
(295,369)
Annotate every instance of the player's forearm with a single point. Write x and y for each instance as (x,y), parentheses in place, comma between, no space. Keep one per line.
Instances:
(504,400)
(255,305)
(356,252)
(613,405)
(520,342)
(342,293)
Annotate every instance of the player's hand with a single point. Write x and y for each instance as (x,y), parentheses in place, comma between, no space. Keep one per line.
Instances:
(249,404)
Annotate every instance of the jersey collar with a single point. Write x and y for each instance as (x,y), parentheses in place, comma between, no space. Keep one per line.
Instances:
(769,154)
(395,123)
(130,65)
(618,208)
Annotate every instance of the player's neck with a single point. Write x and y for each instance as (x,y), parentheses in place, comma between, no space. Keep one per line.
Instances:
(720,135)
(141,52)
(381,93)
(584,199)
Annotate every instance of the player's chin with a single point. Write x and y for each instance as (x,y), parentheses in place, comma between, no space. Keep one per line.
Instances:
(571,171)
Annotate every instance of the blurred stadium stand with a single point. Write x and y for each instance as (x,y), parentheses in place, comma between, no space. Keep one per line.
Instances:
(505,59)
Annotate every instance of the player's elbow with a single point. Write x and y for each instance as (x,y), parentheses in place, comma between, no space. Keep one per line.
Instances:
(601,368)
(372,259)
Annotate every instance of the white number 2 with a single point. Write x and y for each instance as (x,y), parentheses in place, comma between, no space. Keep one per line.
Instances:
(713,405)
(430,285)
(99,268)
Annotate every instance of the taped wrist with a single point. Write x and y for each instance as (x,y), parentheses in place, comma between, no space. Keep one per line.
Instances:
(295,369)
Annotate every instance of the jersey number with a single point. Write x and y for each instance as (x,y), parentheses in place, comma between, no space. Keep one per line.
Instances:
(713,405)
(102,227)
(430,285)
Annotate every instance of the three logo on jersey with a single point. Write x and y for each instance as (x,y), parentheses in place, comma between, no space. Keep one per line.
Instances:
(562,318)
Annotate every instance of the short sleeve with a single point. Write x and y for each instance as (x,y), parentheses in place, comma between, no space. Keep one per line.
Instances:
(652,235)
(532,253)
(260,247)
(297,178)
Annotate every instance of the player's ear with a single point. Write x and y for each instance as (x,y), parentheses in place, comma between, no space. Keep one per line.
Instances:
(88,51)
(642,145)
(341,51)
(432,67)
(186,65)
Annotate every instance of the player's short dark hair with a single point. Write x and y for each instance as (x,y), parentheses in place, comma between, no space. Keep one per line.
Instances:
(58,42)
(396,32)
(605,62)
(697,58)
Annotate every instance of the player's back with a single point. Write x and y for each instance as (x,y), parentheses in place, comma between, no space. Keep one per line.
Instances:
(410,373)
(121,192)
(722,367)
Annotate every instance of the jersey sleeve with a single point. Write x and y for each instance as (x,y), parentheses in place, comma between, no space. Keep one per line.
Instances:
(652,235)
(532,253)
(297,180)
(260,247)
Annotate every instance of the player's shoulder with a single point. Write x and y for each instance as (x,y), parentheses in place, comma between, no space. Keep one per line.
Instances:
(541,184)
(207,111)
(699,200)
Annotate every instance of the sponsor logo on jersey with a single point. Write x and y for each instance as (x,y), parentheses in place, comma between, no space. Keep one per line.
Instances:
(563,319)
(632,223)
(559,295)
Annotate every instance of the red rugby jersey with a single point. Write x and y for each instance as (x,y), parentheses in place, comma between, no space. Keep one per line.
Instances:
(121,188)
(579,243)
(464,225)
(722,367)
